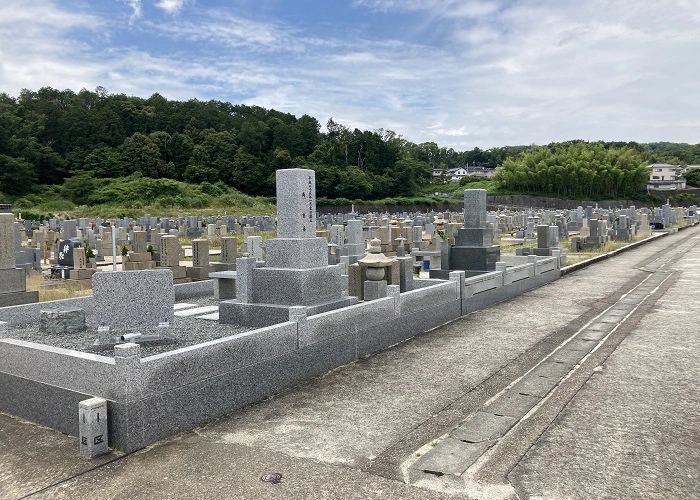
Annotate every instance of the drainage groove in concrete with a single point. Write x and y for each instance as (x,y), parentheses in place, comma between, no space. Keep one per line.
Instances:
(462,447)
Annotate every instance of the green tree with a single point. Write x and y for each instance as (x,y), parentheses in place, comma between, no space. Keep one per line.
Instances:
(140,154)
(17,176)
(692,177)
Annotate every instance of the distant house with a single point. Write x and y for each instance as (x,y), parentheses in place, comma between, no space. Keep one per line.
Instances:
(455,174)
(665,177)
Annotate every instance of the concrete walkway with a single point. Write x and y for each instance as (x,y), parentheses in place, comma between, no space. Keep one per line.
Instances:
(594,376)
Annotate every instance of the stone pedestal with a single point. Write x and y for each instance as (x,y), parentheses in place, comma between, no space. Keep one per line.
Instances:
(473,250)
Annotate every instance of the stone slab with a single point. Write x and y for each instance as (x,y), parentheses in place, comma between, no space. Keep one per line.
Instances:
(568,355)
(196,310)
(222,266)
(592,335)
(210,317)
(18,298)
(474,237)
(41,403)
(232,312)
(192,364)
(512,404)
(534,385)
(483,426)
(183,305)
(551,369)
(328,325)
(263,315)
(124,299)
(474,208)
(450,456)
(140,257)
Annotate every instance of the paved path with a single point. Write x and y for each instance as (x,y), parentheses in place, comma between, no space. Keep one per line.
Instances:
(584,388)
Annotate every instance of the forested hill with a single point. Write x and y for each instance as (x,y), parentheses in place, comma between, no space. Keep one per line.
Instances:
(49,135)
(63,138)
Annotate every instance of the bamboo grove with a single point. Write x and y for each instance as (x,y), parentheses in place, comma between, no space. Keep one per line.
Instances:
(576,169)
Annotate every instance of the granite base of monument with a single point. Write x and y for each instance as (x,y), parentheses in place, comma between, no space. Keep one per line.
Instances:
(301,287)
(18,298)
(474,258)
(263,315)
(13,280)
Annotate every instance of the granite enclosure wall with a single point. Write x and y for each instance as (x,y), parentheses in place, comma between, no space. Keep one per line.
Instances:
(154,397)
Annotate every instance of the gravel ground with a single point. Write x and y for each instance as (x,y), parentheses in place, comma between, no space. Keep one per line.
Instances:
(188,330)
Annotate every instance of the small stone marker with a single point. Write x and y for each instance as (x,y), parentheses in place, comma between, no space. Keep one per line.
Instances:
(93,427)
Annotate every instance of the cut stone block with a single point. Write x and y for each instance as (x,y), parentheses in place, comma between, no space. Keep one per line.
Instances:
(18,298)
(62,321)
(296,253)
(197,273)
(297,286)
(179,272)
(80,274)
(374,290)
(13,280)
(93,427)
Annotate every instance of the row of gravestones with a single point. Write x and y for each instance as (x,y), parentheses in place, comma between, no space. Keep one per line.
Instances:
(13,281)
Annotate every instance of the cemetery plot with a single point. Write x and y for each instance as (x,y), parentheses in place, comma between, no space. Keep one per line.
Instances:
(187,330)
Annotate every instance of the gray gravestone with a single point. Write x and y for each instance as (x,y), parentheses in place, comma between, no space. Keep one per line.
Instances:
(124,299)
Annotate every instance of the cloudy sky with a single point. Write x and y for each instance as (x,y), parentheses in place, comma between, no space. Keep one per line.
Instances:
(461,73)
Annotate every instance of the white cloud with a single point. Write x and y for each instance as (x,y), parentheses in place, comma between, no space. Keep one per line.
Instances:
(438,8)
(137,11)
(171,6)
(36,50)
(223,29)
(533,71)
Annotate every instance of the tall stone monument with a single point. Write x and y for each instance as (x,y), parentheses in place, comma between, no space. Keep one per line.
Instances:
(13,281)
(474,251)
(296,270)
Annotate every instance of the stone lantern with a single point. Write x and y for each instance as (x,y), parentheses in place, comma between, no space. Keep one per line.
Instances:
(370,276)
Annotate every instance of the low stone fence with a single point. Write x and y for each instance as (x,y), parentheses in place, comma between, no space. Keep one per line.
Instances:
(150,398)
